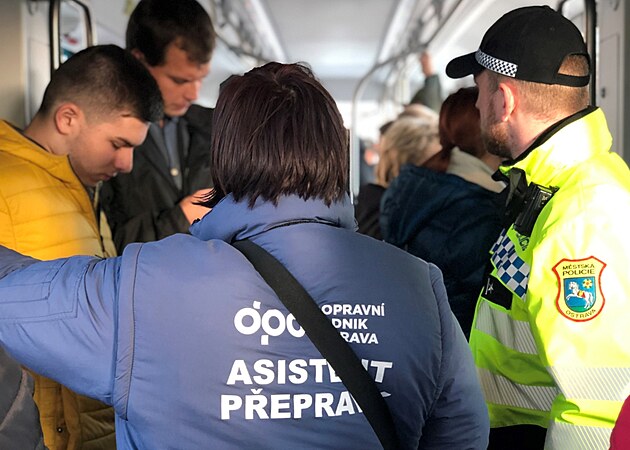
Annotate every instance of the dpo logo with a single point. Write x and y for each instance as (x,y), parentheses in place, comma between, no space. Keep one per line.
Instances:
(273,323)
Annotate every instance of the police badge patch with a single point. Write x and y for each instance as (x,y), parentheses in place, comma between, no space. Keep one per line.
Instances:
(580,296)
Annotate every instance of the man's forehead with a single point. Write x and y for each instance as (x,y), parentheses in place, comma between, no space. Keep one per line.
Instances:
(112,117)
(123,123)
(178,59)
(183,48)
(132,133)
(190,72)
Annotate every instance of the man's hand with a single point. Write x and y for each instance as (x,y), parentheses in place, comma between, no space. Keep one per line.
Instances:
(190,209)
(426,63)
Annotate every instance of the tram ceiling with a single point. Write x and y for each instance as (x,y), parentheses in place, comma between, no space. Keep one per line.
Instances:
(340,39)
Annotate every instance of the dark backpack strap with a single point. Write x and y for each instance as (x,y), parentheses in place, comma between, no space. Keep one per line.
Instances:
(327,340)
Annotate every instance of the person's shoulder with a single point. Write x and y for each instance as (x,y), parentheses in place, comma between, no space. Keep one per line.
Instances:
(596,184)
(179,243)
(21,170)
(9,159)
(412,178)
(199,117)
(413,171)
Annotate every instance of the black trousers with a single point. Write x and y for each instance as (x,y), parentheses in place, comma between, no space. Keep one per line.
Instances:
(520,437)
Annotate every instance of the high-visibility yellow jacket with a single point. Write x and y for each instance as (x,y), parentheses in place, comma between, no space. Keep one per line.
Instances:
(46,212)
(551,335)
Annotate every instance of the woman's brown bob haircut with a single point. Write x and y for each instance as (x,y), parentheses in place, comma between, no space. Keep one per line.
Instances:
(277,131)
(460,124)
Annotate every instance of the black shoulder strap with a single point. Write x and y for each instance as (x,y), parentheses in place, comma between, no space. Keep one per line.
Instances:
(327,340)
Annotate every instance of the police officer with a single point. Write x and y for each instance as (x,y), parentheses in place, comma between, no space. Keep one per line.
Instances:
(553,370)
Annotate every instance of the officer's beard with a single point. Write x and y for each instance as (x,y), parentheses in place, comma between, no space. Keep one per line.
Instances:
(495,137)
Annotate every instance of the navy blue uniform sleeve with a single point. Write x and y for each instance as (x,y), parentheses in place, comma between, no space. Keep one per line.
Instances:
(58,318)
(460,417)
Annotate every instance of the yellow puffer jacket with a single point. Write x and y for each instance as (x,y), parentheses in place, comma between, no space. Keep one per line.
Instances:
(45,212)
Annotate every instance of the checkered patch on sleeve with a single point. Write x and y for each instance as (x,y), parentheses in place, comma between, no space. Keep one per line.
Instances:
(511,269)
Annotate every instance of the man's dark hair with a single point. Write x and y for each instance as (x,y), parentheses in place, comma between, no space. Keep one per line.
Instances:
(548,100)
(103,80)
(277,131)
(155,24)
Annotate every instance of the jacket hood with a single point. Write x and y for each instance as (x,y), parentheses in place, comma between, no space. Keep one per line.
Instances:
(231,221)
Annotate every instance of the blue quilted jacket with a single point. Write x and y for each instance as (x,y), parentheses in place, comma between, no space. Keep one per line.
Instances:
(195,351)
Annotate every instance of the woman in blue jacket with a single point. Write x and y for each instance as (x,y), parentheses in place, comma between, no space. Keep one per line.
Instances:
(449,215)
(195,350)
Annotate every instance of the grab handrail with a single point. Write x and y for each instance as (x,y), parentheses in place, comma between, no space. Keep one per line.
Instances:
(358,93)
(54,24)
(590,15)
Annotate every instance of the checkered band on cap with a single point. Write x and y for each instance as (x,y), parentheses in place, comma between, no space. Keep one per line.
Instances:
(495,64)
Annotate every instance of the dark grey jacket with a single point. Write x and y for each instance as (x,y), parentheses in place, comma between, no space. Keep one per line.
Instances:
(19,418)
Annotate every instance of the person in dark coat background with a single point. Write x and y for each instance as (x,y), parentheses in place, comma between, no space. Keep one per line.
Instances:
(449,219)
(368,204)
(430,94)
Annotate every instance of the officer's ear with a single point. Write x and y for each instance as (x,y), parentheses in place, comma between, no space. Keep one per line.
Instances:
(505,101)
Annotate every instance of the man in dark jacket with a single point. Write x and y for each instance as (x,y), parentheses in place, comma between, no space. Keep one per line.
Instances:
(430,94)
(194,348)
(171,170)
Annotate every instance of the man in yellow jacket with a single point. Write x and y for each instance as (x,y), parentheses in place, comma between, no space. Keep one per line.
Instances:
(550,334)
(96,109)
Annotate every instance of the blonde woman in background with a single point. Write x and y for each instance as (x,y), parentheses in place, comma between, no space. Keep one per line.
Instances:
(411,139)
